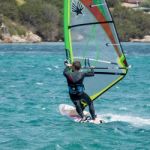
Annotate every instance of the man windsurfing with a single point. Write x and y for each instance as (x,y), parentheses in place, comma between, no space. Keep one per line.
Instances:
(75,80)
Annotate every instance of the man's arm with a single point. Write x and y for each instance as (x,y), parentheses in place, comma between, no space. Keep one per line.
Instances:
(67,70)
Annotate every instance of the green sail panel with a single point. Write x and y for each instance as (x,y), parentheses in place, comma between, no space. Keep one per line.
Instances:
(91,38)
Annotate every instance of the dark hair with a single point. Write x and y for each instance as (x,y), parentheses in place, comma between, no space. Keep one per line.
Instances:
(76,65)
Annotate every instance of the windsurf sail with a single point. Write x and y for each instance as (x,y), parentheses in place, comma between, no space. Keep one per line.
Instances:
(91,37)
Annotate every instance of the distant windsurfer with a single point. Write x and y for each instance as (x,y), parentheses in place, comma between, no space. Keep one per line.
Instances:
(76,88)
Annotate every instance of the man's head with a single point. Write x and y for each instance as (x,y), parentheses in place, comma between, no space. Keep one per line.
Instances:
(76,65)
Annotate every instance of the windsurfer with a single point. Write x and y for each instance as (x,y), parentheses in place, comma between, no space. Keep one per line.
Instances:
(76,88)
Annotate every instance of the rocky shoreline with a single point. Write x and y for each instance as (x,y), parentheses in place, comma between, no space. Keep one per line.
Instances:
(28,38)
(6,37)
(145,39)
(33,38)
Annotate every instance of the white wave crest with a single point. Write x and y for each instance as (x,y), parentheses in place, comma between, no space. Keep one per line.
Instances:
(134,120)
(56,67)
(50,69)
(39,83)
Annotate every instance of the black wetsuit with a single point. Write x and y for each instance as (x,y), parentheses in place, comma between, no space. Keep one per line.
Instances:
(76,90)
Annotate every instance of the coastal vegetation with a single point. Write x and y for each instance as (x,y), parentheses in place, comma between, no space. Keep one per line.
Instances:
(146,3)
(45,19)
(39,16)
(131,23)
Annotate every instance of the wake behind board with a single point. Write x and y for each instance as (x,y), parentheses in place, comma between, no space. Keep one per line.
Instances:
(70,112)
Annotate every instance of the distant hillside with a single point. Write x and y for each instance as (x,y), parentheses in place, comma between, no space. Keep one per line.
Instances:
(45,19)
(42,17)
(131,23)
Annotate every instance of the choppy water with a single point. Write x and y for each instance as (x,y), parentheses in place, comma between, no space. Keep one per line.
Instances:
(32,87)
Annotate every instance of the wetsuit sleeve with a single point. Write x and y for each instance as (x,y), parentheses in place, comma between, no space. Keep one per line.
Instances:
(89,73)
(67,71)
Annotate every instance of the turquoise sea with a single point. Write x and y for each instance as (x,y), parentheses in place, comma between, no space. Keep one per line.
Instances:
(32,87)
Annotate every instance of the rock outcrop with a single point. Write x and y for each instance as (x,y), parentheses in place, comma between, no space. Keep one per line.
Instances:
(32,37)
(28,38)
(145,39)
(6,37)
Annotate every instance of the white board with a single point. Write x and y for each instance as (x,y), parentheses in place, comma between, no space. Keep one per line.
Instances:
(70,112)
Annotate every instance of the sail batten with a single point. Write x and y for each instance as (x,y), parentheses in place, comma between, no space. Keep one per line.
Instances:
(91,23)
(91,37)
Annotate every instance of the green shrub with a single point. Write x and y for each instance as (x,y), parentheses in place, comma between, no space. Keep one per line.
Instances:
(131,23)
(145,3)
(113,3)
(42,17)
(9,8)
(14,27)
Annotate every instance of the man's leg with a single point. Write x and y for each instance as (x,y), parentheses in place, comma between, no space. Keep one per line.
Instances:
(88,100)
(78,108)
(82,105)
